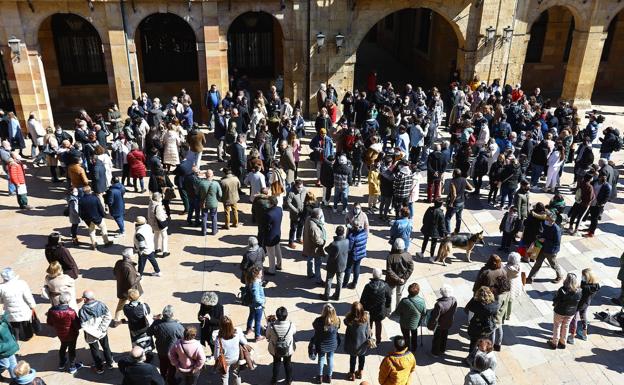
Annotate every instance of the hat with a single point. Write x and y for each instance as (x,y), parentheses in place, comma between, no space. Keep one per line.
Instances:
(140,220)
(209,298)
(8,274)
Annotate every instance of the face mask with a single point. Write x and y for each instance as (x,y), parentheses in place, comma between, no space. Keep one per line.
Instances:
(357,210)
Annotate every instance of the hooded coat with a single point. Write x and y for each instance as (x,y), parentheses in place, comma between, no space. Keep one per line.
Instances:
(396,368)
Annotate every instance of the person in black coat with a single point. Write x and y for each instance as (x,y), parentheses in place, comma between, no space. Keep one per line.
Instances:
(610,142)
(238,158)
(253,257)
(92,213)
(510,225)
(433,227)
(136,372)
(55,251)
(273,235)
(436,165)
(337,254)
(484,308)
(565,304)
(479,170)
(166,331)
(98,176)
(209,315)
(327,178)
(376,299)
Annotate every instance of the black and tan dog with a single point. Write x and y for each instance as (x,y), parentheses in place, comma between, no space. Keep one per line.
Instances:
(460,241)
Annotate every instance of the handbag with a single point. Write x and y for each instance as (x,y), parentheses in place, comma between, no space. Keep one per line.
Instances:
(221,365)
(312,354)
(161,224)
(35,323)
(534,250)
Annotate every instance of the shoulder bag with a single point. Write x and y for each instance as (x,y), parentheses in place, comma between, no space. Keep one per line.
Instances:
(221,365)
(161,224)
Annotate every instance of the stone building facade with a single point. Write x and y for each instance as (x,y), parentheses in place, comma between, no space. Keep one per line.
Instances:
(106,45)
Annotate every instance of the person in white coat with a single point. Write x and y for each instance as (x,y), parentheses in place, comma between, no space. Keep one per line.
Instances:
(37,133)
(171,142)
(18,303)
(158,220)
(513,268)
(555,162)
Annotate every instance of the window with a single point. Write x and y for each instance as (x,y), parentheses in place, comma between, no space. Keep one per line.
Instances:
(606,49)
(168,49)
(250,45)
(568,47)
(78,51)
(424,30)
(535,48)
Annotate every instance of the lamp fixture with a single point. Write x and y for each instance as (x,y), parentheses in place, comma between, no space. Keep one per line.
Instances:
(320,41)
(14,45)
(507,33)
(339,41)
(90,4)
(490,34)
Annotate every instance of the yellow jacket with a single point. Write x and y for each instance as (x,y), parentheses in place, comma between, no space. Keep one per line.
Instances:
(373,183)
(396,368)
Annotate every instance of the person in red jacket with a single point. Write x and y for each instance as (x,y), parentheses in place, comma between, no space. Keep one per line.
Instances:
(136,164)
(64,320)
(15,169)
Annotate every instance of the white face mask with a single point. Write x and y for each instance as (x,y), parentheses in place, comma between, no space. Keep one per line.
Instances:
(357,210)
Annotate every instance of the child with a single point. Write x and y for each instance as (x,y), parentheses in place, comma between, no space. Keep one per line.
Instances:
(510,225)
(373,188)
(589,288)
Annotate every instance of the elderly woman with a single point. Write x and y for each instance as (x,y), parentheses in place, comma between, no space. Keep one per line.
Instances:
(159,221)
(441,319)
(136,165)
(514,275)
(18,303)
(489,273)
(209,316)
(51,146)
(57,283)
(399,267)
(139,320)
(253,257)
(565,305)
(357,225)
(411,310)
(482,324)
(171,142)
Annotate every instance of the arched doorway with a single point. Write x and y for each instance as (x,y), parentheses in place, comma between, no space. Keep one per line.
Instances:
(548,51)
(6,101)
(409,42)
(255,51)
(167,58)
(73,61)
(609,84)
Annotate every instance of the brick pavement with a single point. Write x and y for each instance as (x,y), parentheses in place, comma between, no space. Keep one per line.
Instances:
(211,263)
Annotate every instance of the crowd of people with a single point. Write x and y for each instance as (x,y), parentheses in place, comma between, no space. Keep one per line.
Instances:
(496,137)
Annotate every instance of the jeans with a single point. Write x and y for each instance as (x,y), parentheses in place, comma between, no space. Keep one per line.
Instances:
(143,258)
(560,328)
(193,210)
(231,211)
(457,211)
(97,356)
(74,230)
(275,253)
(12,187)
(194,158)
(296,228)
(497,335)
(213,221)
(355,266)
(411,338)
(255,319)
(606,155)
(552,260)
(328,283)
(438,344)
(384,208)
(67,347)
(9,363)
(341,195)
(507,192)
(119,219)
(361,360)
(314,268)
(576,215)
(140,180)
(581,315)
(326,358)
(287,368)
(536,173)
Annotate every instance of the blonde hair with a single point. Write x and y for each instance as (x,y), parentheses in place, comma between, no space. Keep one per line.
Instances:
(589,275)
(54,269)
(329,316)
(484,295)
(21,369)
(133,294)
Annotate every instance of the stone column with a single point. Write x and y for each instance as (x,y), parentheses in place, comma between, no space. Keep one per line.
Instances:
(583,66)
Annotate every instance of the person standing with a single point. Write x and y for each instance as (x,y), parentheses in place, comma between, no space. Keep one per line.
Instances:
(356,339)
(209,315)
(287,161)
(322,147)
(399,268)
(376,299)
(57,283)
(314,239)
(357,225)
(602,194)
(521,201)
(565,304)
(398,366)
(589,289)
(210,195)
(325,342)
(583,198)
(144,245)
(343,172)
(17,177)
(280,334)
(92,213)
(56,251)
(159,222)
(253,257)
(136,371)
(551,243)
(139,316)
(166,331)
(402,228)
(8,346)
(114,198)
(456,200)
(620,276)
(136,165)
(94,321)
(230,186)
(273,235)
(256,305)
(187,356)
(18,303)
(436,165)
(337,254)
(126,278)
(64,320)
(295,205)
(441,319)
(433,228)
(411,310)
(229,342)
(482,324)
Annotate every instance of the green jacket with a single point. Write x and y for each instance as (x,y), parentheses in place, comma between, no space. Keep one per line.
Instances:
(410,310)
(209,193)
(8,345)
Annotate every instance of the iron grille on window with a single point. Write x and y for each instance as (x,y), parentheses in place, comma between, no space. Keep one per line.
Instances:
(250,41)
(78,51)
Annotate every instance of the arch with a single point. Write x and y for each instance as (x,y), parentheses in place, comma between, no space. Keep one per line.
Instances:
(37,20)
(536,12)
(168,49)
(610,77)
(256,46)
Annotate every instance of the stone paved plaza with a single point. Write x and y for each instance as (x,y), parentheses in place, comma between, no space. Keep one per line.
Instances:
(200,263)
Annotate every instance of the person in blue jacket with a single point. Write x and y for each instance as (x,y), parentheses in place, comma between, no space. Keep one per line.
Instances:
(256,307)
(357,223)
(402,227)
(114,198)
(322,147)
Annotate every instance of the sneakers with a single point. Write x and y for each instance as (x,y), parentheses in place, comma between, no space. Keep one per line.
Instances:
(158,274)
(570,339)
(98,370)
(74,369)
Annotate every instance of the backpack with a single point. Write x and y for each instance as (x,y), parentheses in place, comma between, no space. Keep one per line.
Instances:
(282,347)
(246,297)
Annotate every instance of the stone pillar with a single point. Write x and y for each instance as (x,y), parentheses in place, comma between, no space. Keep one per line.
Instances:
(583,66)
(515,58)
